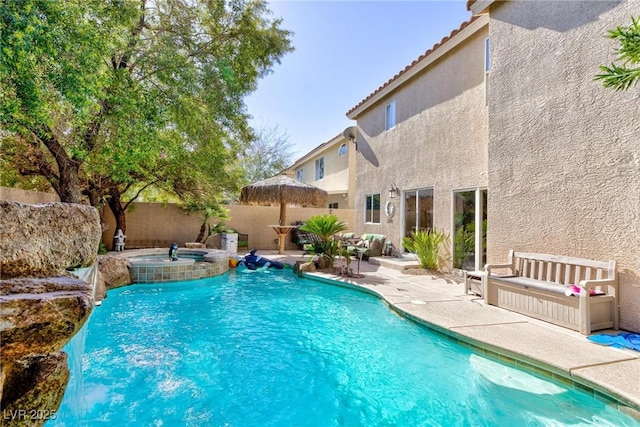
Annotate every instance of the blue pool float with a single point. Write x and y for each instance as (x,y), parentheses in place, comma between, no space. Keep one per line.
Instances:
(253,261)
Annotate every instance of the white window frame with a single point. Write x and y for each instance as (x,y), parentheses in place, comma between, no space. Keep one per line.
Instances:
(368,199)
(319,173)
(390,115)
(487,69)
(342,150)
(300,174)
(480,208)
(487,55)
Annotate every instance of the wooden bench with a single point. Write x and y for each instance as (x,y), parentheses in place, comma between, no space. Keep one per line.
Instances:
(542,286)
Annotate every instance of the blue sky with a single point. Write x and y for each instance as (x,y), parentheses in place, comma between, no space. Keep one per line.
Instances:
(345,50)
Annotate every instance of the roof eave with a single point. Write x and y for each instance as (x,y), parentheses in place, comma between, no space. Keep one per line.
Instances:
(430,57)
(317,150)
(478,7)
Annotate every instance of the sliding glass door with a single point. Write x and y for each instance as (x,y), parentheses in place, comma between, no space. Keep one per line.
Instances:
(469,229)
(418,210)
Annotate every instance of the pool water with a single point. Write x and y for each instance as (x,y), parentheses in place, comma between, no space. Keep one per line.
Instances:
(266,348)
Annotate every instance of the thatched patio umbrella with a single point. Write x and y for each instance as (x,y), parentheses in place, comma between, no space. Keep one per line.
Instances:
(284,190)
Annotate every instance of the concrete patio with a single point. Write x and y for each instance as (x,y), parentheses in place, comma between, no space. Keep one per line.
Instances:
(442,304)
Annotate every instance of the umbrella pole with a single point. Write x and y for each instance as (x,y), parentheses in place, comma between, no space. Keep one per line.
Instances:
(283,214)
(283,221)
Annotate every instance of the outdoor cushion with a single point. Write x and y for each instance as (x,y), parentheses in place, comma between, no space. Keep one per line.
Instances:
(372,243)
(373,237)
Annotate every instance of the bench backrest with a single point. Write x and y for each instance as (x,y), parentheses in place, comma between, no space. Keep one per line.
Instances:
(560,269)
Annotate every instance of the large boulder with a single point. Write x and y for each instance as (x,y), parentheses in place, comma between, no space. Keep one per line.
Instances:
(101,288)
(114,270)
(41,304)
(41,315)
(44,240)
(301,267)
(34,389)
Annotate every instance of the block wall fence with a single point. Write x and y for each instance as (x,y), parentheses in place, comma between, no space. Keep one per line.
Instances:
(151,225)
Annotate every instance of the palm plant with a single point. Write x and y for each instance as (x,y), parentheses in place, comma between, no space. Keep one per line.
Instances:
(208,211)
(626,73)
(323,228)
(429,247)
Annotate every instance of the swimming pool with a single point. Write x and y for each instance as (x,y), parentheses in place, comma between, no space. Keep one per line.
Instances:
(267,348)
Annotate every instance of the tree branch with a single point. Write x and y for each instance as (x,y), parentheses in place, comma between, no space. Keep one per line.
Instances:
(126,205)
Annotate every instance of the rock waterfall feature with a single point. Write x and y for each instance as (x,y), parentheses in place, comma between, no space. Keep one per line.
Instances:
(42,303)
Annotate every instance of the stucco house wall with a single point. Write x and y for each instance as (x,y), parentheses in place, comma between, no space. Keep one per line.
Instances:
(440,137)
(564,152)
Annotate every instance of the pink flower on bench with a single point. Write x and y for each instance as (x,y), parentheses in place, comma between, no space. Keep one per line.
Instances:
(575,290)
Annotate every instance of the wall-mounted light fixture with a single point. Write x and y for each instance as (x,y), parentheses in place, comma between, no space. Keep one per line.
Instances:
(394,191)
(351,133)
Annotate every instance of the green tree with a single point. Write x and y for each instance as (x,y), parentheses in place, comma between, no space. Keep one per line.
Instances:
(622,77)
(108,97)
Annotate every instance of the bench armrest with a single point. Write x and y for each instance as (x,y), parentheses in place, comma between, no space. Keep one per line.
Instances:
(587,285)
(489,267)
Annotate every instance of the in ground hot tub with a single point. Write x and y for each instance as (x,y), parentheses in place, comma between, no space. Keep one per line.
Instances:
(157,261)
(153,265)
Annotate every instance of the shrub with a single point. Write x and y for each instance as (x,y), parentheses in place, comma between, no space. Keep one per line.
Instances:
(429,246)
(323,228)
(102,249)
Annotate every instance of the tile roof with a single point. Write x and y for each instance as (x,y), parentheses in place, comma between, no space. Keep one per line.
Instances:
(423,56)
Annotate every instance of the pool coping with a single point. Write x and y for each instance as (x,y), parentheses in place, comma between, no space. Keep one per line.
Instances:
(130,253)
(583,374)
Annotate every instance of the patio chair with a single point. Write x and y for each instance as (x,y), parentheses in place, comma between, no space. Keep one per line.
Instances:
(243,241)
(302,239)
(371,244)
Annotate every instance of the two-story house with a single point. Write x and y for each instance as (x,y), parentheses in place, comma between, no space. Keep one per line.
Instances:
(503,127)
(422,147)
